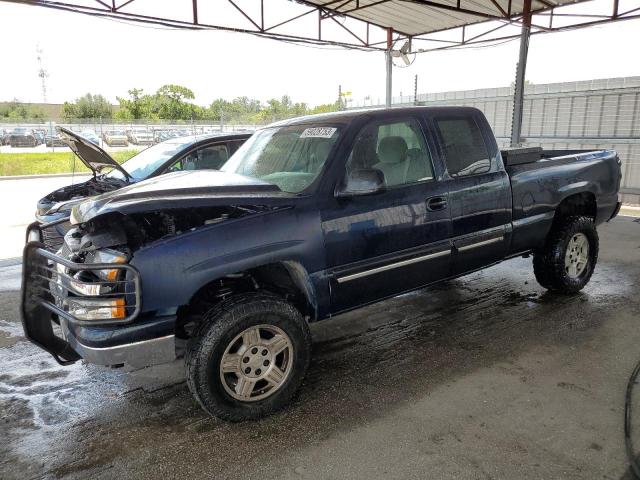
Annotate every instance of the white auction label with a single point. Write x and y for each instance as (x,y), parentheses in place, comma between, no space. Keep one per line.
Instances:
(318,132)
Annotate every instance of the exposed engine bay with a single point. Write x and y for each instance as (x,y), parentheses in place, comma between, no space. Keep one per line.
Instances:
(94,186)
(137,230)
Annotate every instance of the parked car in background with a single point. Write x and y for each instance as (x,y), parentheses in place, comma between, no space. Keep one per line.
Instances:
(23,137)
(54,140)
(185,153)
(161,135)
(91,136)
(116,137)
(310,218)
(141,137)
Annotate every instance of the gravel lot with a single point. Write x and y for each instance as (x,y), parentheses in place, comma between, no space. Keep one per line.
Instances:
(487,377)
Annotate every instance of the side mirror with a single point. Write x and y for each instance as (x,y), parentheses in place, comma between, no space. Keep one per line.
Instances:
(366,181)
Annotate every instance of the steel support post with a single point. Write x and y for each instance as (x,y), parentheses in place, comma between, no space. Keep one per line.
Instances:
(389,62)
(518,95)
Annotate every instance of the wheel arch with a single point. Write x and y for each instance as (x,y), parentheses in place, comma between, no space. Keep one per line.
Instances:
(287,279)
(577,203)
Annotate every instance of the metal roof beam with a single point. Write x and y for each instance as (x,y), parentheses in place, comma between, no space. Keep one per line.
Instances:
(500,9)
(457,8)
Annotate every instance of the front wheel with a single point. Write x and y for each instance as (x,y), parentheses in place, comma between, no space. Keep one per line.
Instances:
(566,262)
(248,357)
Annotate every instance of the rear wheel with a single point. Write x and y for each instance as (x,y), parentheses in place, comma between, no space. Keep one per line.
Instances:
(248,357)
(566,262)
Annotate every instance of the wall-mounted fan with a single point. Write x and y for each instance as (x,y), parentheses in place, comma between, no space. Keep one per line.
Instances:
(405,56)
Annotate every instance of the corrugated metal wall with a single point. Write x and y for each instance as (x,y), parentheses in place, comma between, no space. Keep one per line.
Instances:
(592,114)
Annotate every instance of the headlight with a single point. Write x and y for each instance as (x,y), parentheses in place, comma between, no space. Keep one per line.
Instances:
(103,309)
(88,289)
(107,255)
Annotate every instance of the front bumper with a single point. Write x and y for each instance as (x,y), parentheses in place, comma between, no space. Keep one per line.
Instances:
(615,211)
(136,354)
(48,324)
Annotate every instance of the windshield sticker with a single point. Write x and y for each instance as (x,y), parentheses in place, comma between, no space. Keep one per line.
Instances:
(318,132)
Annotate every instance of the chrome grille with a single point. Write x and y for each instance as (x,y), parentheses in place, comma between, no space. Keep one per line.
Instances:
(51,236)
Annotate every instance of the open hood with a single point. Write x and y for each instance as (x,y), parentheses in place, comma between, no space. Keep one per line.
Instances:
(94,157)
(186,189)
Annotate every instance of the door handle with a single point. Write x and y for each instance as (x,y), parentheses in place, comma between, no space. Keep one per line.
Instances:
(436,203)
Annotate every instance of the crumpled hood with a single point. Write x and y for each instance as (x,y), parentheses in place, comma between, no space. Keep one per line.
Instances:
(187,189)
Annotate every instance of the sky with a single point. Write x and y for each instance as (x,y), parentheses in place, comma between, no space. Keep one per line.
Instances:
(85,54)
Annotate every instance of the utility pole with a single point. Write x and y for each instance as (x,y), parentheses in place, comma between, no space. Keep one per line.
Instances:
(518,94)
(415,89)
(340,98)
(42,73)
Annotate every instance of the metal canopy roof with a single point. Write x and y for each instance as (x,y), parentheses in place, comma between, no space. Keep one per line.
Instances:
(418,17)
(362,24)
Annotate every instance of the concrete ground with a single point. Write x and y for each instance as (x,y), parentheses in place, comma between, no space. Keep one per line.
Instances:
(485,377)
(20,198)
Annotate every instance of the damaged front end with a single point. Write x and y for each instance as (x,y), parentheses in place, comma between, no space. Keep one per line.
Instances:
(136,230)
(53,210)
(88,285)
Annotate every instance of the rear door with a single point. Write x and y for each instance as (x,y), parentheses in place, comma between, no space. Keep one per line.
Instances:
(383,244)
(478,187)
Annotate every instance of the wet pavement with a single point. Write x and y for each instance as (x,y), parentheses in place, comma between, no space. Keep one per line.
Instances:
(487,376)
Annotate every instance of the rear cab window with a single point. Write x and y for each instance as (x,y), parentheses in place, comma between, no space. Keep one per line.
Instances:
(463,145)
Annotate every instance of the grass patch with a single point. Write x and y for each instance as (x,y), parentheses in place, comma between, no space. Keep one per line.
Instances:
(49,162)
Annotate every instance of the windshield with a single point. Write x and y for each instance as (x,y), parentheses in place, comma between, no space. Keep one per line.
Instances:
(290,157)
(149,160)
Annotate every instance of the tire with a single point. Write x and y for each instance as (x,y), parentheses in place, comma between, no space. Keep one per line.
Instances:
(223,327)
(550,262)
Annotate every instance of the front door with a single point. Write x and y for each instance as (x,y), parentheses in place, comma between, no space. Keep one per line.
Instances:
(383,244)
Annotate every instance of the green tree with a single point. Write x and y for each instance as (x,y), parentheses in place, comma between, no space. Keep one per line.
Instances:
(240,109)
(16,110)
(170,103)
(88,106)
(325,108)
(137,106)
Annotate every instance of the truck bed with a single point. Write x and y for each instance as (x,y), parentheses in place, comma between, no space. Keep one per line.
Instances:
(539,186)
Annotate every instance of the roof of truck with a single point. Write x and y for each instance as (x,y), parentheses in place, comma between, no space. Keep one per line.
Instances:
(350,115)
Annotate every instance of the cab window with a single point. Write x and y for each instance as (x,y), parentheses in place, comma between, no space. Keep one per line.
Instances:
(396,148)
(465,151)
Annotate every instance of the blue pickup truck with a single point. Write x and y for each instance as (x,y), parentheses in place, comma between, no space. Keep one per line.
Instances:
(310,218)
